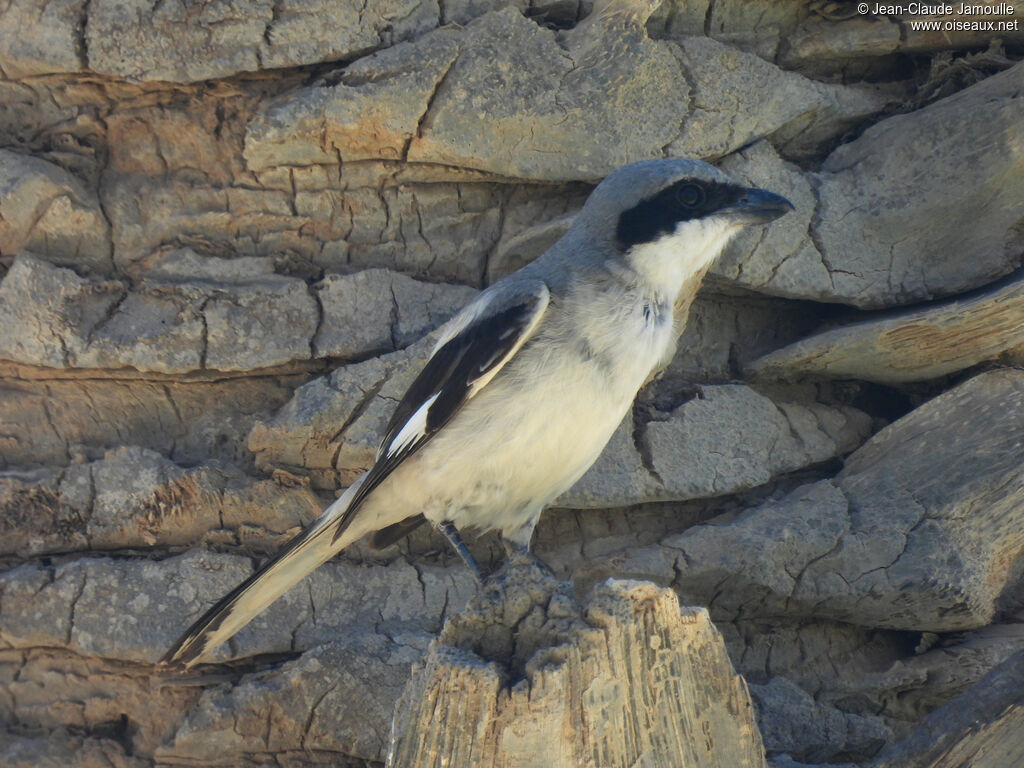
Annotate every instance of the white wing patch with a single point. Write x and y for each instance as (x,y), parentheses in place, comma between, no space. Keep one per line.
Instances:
(414,429)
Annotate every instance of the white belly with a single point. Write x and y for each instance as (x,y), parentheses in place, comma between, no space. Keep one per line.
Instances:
(535,429)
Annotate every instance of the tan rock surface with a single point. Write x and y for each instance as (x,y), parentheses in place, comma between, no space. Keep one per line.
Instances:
(224,226)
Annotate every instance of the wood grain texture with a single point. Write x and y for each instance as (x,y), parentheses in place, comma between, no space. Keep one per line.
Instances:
(911,346)
(629,679)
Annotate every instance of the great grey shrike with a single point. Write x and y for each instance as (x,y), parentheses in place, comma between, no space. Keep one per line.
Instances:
(526,385)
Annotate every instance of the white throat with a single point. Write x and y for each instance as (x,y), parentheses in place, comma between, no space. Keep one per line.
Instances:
(666,263)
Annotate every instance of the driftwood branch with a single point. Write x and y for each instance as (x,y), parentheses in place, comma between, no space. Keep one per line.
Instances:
(526,676)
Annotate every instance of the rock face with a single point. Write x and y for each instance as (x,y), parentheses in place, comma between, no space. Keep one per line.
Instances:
(541,94)
(228,231)
(929,542)
(981,727)
(44,208)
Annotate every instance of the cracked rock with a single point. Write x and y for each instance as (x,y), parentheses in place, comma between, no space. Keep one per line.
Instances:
(192,312)
(38,40)
(793,722)
(738,98)
(373,112)
(431,226)
(728,439)
(173,42)
(57,752)
(50,312)
(887,226)
(335,698)
(377,309)
(780,260)
(45,209)
(556,106)
(709,445)
(982,727)
(135,497)
(58,421)
(926,680)
(860,45)
(919,532)
(132,609)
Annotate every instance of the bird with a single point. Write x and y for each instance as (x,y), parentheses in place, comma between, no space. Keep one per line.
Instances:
(527,383)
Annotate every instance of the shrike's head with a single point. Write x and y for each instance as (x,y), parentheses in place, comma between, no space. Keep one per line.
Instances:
(669,219)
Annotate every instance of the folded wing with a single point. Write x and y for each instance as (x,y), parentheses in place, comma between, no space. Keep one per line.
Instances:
(473,347)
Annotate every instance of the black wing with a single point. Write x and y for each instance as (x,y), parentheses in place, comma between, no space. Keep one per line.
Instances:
(478,342)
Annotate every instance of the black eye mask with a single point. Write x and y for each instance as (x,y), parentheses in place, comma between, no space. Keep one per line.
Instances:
(685,200)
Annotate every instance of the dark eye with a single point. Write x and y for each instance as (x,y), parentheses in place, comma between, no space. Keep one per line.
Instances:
(690,195)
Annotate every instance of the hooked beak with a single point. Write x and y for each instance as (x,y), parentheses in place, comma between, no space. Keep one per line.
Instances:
(757,206)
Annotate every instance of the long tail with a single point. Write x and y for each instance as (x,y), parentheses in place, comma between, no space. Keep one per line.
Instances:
(330,534)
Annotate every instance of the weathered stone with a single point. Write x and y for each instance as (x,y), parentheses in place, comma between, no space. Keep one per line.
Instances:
(751,25)
(935,502)
(564,109)
(793,722)
(442,231)
(265,323)
(926,680)
(725,332)
(52,421)
(546,674)
(808,653)
(914,345)
(132,609)
(36,41)
(56,752)
(134,497)
(919,531)
(194,312)
(823,44)
(156,328)
(63,694)
(752,566)
(49,312)
(781,259)
(373,112)
(738,98)
(537,97)
(724,454)
(728,439)
(133,40)
(983,727)
(335,698)
(376,310)
(871,233)
(45,209)
(885,225)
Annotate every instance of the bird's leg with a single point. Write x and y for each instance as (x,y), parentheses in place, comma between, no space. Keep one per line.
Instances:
(452,534)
